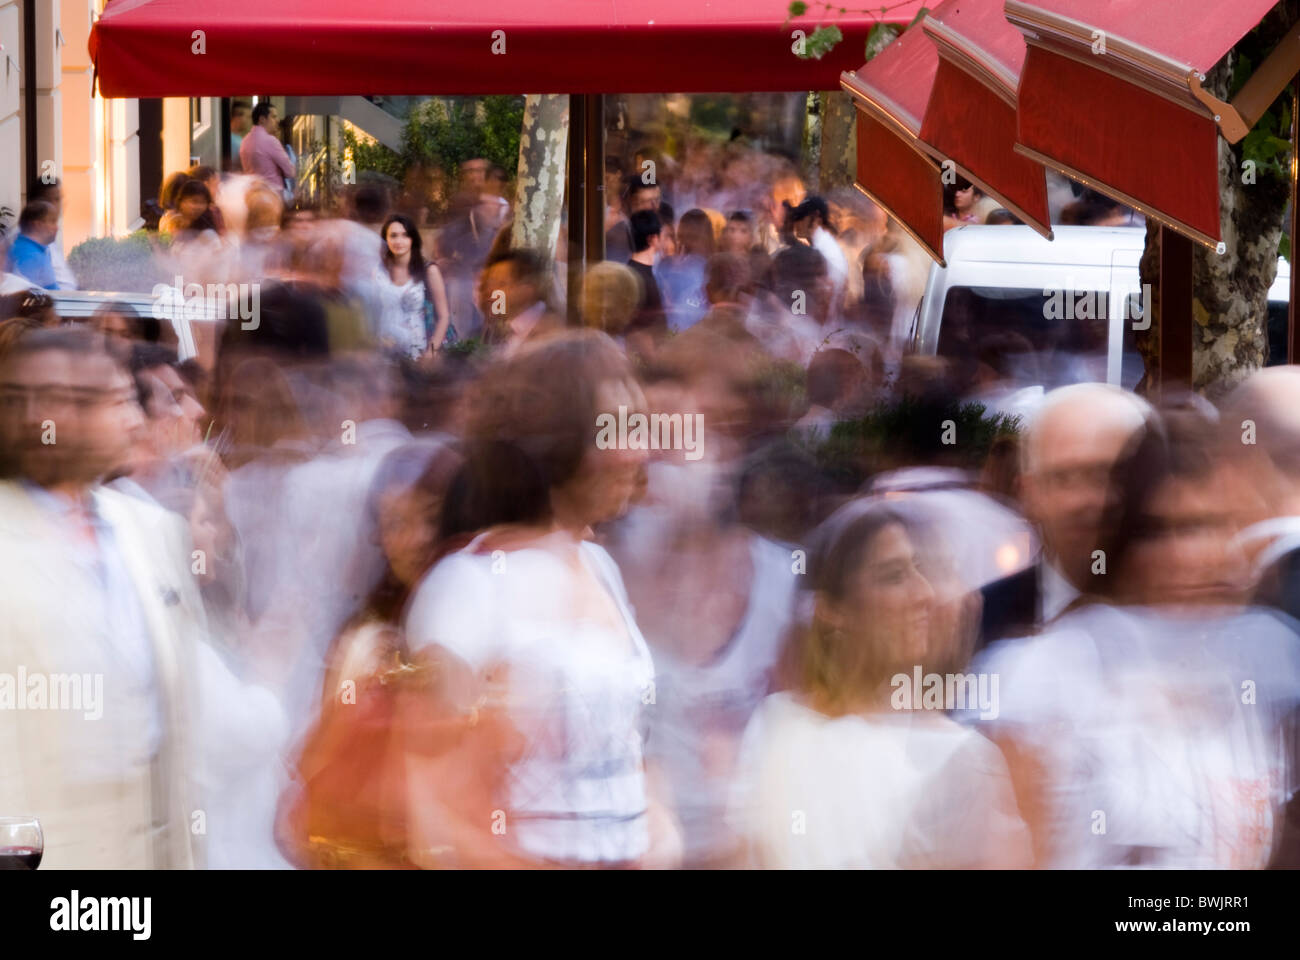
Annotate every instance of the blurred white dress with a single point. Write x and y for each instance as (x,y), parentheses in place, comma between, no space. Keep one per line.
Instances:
(1162,737)
(576,690)
(891,790)
(401,322)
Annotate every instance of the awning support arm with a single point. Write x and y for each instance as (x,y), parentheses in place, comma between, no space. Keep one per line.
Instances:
(1265,84)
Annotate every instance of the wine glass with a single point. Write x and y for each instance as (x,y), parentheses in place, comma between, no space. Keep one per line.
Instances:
(21,843)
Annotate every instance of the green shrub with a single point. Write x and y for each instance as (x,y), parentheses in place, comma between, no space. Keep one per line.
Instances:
(125,265)
(907,432)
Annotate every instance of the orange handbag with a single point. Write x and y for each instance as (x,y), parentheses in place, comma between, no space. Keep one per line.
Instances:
(400,779)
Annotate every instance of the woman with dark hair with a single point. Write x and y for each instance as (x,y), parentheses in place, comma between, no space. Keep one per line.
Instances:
(681,276)
(193,213)
(851,768)
(170,190)
(416,318)
(534,610)
(405,503)
(959,199)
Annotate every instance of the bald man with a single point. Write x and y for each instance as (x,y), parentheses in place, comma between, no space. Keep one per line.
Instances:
(1263,415)
(1071,444)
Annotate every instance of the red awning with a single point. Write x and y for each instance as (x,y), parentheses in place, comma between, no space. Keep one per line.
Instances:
(971,115)
(1106,98)
(147,48)
(894,168)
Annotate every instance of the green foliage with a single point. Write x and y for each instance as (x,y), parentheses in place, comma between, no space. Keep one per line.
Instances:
(820,42)
(443,133)
(1268,142)
(881,36)
(126,265)
(908,431)
(465,348)
(823,39)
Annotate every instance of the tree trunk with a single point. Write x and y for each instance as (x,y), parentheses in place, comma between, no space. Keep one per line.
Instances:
(543,156)
(812,140)
(1229,290)
(839,153)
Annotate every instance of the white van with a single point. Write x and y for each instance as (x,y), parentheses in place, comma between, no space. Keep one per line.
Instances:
(1075,300)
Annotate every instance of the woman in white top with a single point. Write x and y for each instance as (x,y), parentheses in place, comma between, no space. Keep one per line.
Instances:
(832,774)
(407,283)
(538,612)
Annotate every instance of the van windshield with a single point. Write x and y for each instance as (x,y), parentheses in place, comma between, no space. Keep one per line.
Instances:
(1025,337)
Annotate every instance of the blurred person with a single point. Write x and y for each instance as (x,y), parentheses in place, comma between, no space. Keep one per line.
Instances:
(210,177)
(496,181)
(28,309)
(961,199)
(668,237)
(610,294)
(363,248)
(51,191)
(1134,702)
(791,321)
(353,798)
(1093,208)
(463,247)
(416,318)
(535,609)
(715,600)
(259,250)
(637,196)
(836,382)
(512,295)
(404,504)
(876,782)
(121,321)
(615,172)
(193,213)
(786,193)
(170,190)
(1070,446)
(95,583)
(1002,217)
(738,235)
(681,275)
(324,571)
(646,246)
(241,121)
(473,177)
(173,420)
(1261,416)
(810,222)
(29,257)
(262,153)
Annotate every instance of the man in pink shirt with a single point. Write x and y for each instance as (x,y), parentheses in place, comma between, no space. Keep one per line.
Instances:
(262,153)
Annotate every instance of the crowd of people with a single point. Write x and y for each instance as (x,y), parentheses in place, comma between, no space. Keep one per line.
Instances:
(364,587)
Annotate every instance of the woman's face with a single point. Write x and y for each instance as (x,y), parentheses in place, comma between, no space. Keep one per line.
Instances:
(606,479)
(737,237)
(890,601)
(399,241)
(965,199)
(407,533)
(114,325)
(193,207)
(1189,557)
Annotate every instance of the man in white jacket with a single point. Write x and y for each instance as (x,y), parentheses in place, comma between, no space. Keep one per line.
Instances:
(99,616)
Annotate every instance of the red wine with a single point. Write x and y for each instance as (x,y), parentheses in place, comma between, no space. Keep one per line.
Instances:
(19,858)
